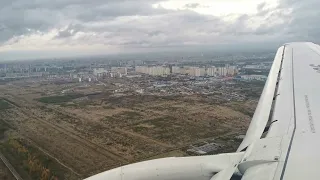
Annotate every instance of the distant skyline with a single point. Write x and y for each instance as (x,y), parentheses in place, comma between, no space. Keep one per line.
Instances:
(176,53)
(66,28)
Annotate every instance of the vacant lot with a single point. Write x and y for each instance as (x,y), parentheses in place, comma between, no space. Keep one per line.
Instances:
(31,163)
(59,99)
(75,135)
(5,174)
(4,105)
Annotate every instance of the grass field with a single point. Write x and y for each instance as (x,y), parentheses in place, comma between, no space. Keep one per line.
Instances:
(29,162)
(3,129)
(4,105)
(59,99)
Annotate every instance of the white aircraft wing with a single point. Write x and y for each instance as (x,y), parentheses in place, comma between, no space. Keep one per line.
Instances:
(291,139)
(283,139)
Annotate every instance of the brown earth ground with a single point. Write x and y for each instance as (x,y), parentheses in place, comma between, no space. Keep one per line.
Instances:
(5,174)
(98,132)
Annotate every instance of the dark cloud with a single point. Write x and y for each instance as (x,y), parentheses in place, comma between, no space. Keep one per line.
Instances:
(69,31)
(116,9)
(155,33)
(192,5)
(42,15)
(136,23)
(304,22)
(2,27)
(19,21)
(261,6)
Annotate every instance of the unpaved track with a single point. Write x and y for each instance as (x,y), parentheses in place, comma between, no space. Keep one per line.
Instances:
(144,138)
(10,167)
(89,144)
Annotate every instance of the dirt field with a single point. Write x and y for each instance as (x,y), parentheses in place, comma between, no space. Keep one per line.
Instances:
(89,133)
(5,174)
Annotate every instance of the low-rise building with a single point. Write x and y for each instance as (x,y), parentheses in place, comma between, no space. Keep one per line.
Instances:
(254,77)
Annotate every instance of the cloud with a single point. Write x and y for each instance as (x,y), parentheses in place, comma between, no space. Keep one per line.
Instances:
(43,15)
(192,5)
(81,24)
(261,6)
(69,31)
(301,21)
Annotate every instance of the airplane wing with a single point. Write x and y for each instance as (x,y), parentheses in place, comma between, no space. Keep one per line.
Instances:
(282,141)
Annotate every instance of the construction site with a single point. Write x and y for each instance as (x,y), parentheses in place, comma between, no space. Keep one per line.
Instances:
(71,131)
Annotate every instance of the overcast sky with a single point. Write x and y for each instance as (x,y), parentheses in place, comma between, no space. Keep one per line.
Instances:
(39,28)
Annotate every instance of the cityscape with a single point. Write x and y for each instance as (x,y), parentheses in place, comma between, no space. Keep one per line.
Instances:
(91,115)
(159,89)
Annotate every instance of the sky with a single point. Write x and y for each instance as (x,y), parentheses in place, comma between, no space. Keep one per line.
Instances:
(47,28)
